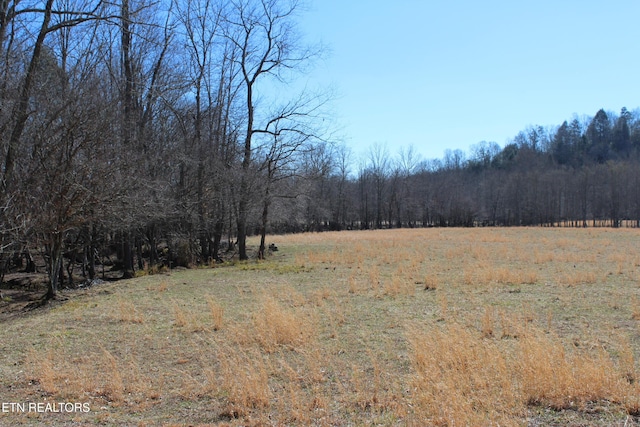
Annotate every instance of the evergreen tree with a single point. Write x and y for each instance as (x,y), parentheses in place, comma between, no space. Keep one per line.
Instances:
(561,149)
(599,137)
(621,136)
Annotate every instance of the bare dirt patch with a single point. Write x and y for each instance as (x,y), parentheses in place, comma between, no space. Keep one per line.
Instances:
(20,293)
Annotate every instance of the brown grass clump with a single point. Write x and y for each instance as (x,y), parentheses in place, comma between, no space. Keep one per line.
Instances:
(354,284)
(303,396)
(430,282)
(217,313)
(41,366)
(160,287)
(443,303)
(578,277)
(277,326)
(528,277)
(397,285)
(461,379)
(635,308)
(113,384)
(543,257)
(243,381)
(186,320)
(97,373)
(488,322)
(486,273)
(374,278)
(128,312)
(320,296)
(552,376)
(511,325)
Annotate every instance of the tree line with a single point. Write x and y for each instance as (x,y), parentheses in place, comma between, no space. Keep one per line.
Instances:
(152,133)
(584,172)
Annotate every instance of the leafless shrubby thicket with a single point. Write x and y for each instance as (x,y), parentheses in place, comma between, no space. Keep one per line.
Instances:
(147,134)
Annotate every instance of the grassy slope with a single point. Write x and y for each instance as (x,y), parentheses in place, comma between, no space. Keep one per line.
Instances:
(518,326)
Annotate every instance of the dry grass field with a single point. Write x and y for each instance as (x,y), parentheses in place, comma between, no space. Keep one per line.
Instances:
(442,327)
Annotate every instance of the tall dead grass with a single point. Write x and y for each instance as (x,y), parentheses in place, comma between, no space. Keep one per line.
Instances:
(127,312)
(217,313)
(243,381)
(466,377)
(461,379)
(97,373)
(552,376)
(486,273)
(579,277)
(186,319)
(276,326)
(398,285)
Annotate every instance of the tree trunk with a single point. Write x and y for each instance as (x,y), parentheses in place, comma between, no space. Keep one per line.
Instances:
(70,266)
(127,256)
(91,259)
(243,204)
(20,113)
(31,264)
(151,236)
(242,230)
(55,264)
(139,253)
(205,253)
(217,238)
(244,185)
(263,224)
(127,69)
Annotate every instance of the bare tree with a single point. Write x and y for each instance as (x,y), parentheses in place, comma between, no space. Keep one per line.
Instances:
(209,145)
(264,37)
(20,113)
(45,135)
(144,83)
(343,160)
(291,133)
(379,164)
(12,226)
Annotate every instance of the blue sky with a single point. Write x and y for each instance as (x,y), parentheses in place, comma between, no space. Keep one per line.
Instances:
(447,74)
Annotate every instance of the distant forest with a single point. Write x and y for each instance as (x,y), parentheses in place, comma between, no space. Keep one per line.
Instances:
(140,135)
(584,172)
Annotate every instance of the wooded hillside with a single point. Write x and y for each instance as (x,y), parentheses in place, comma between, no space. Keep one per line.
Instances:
(582,172)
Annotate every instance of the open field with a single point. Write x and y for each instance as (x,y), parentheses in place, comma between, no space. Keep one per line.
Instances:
(445,327)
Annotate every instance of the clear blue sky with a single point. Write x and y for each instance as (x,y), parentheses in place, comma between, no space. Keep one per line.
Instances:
(448,74)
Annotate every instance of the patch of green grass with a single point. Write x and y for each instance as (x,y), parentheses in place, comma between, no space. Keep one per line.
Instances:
(277,267)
